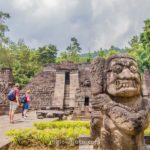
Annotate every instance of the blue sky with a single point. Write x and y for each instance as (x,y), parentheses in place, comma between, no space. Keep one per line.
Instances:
(95,23)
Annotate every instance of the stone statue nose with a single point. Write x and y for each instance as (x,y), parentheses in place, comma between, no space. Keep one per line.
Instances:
(126,73)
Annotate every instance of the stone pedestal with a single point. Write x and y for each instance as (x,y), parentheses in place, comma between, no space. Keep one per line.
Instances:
(85,143)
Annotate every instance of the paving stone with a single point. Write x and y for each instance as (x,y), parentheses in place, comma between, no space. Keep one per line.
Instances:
(86,147)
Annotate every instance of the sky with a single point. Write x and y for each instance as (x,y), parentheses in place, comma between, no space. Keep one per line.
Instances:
(95,23)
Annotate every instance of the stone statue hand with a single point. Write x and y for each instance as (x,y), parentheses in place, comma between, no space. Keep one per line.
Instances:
(125,120)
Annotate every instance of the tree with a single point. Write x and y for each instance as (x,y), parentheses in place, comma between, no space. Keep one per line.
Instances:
(89,57)
(25,63)
(71,53)
(102,53)
(137,51)
(5,53)
(108,52)
(140,47)
(145,36)
(6,58)
(74,46)
(63,57)
(73,50)
(145,40)
(47,54)
(3,27)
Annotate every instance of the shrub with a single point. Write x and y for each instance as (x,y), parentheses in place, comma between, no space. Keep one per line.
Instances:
(147,132)
(62,124)
(50,134)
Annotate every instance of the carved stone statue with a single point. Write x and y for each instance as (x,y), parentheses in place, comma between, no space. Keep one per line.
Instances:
(120,112)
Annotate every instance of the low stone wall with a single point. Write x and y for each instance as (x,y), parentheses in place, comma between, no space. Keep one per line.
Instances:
(4,109)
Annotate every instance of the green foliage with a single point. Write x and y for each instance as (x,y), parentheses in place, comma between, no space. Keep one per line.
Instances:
(21,137)
(3,27)
(6,59)
(145,40)
(47,54)
(74,46)
(63,132)
(108,53)
(89,57)
(140,47)
(147,131)
(25,62)
(145,35)
(61,124)
(72,52)
(65,57)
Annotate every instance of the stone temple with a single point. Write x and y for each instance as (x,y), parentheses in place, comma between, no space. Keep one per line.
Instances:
(58,86)
(62,86)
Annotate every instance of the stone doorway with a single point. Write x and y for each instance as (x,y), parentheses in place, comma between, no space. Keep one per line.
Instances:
(67,89)
(67,77)
(86,101)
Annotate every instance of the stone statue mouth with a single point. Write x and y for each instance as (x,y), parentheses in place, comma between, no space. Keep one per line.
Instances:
(125,84)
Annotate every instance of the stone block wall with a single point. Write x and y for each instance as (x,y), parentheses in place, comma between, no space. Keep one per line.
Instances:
(146,83)
(42,89)
(5,79)
(48,87)
(6,75)
(84,73)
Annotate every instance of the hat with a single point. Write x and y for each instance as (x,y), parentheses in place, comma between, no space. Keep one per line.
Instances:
(17,85)
(28,91)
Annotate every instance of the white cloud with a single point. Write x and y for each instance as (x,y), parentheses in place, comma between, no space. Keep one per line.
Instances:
(23,5)
(95,23)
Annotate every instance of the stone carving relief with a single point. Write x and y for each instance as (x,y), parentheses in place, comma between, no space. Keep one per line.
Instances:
(120,112)
(86,83)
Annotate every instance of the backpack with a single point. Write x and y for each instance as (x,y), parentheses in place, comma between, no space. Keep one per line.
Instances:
(23,99)
(11,95)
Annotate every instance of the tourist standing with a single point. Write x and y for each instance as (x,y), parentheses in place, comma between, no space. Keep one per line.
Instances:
(14,103)
(26,103)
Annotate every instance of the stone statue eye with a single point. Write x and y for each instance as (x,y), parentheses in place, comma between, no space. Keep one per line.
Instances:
(133,68)
(117,68)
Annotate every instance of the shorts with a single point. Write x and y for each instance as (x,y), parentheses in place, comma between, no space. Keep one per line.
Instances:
(13,105)
(25,106)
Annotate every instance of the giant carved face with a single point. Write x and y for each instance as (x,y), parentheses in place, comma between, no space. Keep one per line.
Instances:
(123,78)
